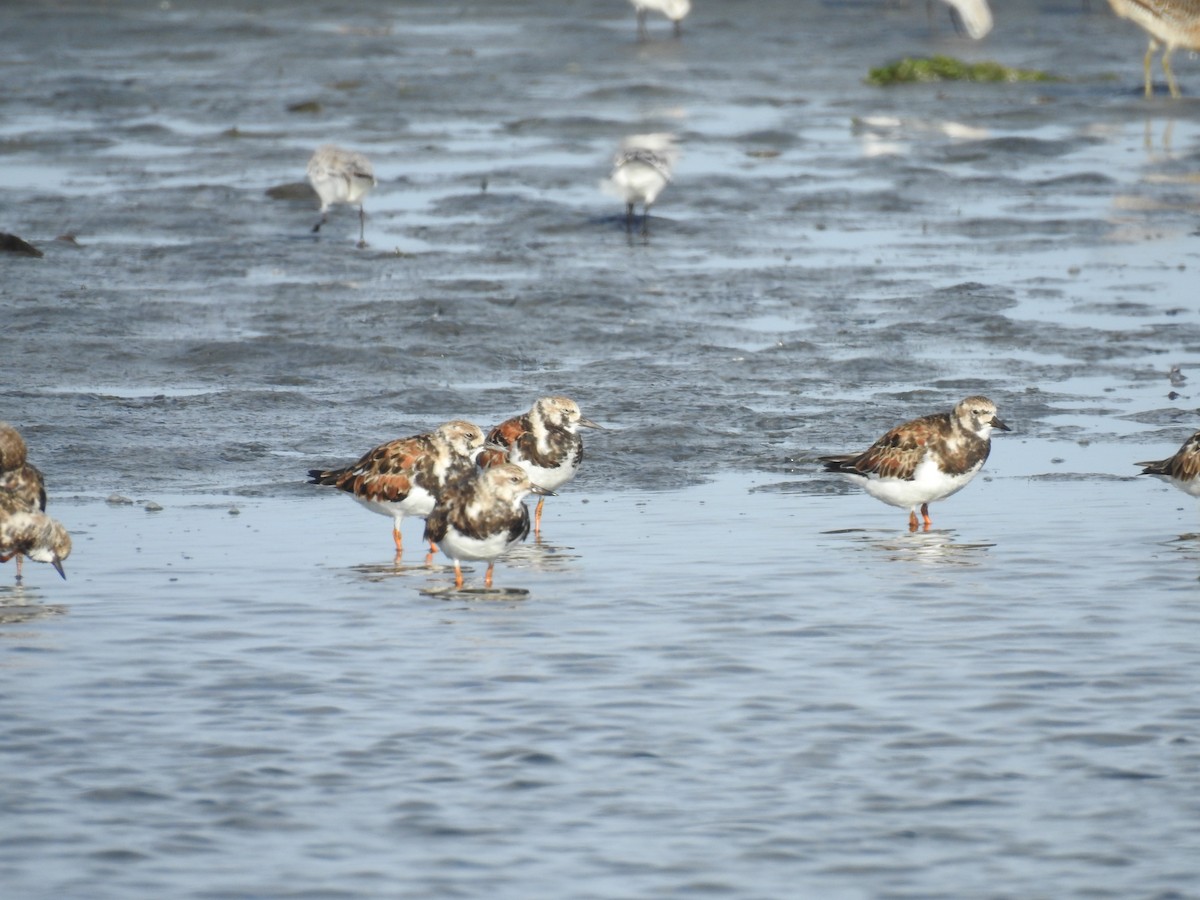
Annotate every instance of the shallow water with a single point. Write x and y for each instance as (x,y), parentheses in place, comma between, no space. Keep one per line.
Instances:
(720,673)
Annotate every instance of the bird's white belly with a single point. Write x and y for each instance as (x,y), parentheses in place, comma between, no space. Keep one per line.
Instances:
(638,182)
(929,483)
(458,546)
(550,479)
(1191,488)
(419,502)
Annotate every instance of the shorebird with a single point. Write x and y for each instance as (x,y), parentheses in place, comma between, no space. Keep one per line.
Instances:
(1182,470)
(1171,24)
(26,531)
(341,176)
(404,477)
(675,10)
(545,442)
(641,169)
(481,515)
(975,16)
(924,460)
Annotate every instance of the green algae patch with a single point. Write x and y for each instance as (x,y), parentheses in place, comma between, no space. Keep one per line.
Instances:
(947,68)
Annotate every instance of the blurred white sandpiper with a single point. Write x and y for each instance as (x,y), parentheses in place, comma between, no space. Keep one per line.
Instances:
(641,169)
(675,10)
(340,176)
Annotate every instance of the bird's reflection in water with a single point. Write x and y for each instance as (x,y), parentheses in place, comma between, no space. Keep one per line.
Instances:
(19,603)
(535,555)
(934,547)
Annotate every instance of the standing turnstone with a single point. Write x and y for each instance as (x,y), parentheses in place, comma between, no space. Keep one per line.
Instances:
(1181,470)
(545,442)
(641,169)
(404,477)
(16,474)
(675,10)
(924,460)
(26,531)
(479,516)
(341,176)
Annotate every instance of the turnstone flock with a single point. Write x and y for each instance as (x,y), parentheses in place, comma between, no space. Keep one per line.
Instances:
(405,477)
(675,10)
(481,515)
(341,176)
(545,442)
(924,460)
(1182,470)
(25,529)
(641,169)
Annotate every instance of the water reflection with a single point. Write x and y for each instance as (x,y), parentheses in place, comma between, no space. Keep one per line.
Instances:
(934,547)
(20,604)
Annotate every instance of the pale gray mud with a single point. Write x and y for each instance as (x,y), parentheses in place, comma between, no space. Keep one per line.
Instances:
(720,672)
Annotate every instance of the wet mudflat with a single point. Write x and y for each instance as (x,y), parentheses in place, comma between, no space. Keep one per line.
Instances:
(719,671)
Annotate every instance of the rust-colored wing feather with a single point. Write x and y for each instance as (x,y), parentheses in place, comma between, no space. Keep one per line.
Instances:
(898,453)
(385,473)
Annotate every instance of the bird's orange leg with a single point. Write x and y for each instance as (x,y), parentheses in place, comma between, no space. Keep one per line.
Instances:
(458,579)
(912,520)
(433,548)
(487,579)
(398,538)
(537,516)
(925,515)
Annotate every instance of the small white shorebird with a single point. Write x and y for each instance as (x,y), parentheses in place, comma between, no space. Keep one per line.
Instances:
(641,169)
(975,16)
(924,460)
(1182,470)
(675,10)
(341,176)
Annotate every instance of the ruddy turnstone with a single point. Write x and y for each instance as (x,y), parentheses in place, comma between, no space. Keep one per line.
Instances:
(1181,470)
(924,460)
(341,176)
(1171,24)
(641,169)
(26,531)
(16,473)
(675,10)
(545,442)
(404,477)
(479,516)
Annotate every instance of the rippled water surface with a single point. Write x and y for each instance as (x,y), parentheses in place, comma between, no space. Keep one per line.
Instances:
(719,673)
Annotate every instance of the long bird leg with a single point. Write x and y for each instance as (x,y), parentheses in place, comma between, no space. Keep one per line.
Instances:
(487,578)
(1146,66)
(537,516)
(1172,84)
(362,225)
(398,538)
(458,579)
(433,549)
(925,515)
(641,20)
